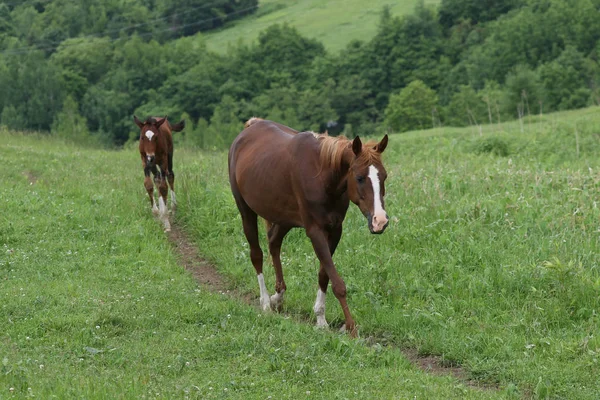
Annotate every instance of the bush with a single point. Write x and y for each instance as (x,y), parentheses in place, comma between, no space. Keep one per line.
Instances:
(411,108)
(491,145)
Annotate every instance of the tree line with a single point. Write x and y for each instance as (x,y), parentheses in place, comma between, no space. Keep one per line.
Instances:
(82,70)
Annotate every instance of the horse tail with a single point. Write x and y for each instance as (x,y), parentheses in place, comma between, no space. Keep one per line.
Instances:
(268,225)
(251,121)
(178,127)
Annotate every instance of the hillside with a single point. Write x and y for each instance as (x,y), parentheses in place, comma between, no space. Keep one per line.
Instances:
(334,22)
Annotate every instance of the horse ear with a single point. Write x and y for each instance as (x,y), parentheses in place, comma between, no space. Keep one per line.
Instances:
(380,147)
(161,121)
(138,122)
(356,145)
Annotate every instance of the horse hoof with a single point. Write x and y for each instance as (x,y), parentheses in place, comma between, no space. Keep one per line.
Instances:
(277,302)
(322,325)
(343,329)
(265,304)
(155,211)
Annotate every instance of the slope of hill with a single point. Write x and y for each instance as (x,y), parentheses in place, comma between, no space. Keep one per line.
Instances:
(335,22)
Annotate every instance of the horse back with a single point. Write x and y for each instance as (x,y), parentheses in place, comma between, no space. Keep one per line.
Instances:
(270,169)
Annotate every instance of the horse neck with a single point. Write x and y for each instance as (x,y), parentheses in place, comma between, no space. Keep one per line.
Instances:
(339,176)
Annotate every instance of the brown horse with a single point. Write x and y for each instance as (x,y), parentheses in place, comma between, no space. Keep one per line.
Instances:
(156,150)
(307,180)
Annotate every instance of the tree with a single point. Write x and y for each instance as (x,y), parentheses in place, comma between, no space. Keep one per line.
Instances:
(452,12)
(523,93)
(225,124)
(69,124)
(282,51)
(466,108)
(565,80)
(411,108)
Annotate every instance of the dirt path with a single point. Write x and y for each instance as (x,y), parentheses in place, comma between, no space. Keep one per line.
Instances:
(207,275)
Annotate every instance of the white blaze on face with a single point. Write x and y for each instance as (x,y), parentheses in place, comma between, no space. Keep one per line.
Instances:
(379,215)
(149,134)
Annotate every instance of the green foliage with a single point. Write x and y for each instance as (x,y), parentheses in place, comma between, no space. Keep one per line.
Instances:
(486,61)
(565,80)
(466,108)
(12,118)
(225,124)
(491,145)
(69,124)
(452,12)
(523,93)
(282,51)
(412,108)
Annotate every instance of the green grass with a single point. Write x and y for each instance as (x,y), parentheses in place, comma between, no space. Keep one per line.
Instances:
(335,23)
(491,262)
(94,305)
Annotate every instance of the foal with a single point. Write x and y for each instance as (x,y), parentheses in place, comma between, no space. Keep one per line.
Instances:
(156,150)
(305,180)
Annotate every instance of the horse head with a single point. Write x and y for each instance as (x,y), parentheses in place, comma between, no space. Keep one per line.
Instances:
(149,132)
(366,182)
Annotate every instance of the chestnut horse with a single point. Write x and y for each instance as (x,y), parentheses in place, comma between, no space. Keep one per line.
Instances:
(156,150)
(303,179)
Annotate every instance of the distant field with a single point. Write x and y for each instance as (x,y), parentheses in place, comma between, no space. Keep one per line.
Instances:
(333,22)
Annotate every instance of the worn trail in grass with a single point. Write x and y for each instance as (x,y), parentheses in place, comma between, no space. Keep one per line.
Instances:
(207,275)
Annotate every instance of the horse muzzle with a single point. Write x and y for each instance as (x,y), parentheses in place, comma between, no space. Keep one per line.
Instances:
(378,223)
(150,161)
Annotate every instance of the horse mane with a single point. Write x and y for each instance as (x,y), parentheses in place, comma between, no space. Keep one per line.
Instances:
(333,149)
(252,121)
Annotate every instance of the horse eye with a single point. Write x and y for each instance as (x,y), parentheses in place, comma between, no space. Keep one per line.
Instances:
(360,179)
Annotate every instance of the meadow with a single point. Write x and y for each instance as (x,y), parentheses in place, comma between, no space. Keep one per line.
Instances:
(94,302)
(490,263)
(334,23)
(491,259)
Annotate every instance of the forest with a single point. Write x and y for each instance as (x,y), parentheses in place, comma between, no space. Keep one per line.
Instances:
(81,70)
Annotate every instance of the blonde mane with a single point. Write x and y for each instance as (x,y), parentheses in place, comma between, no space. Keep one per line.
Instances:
(251,121)
(334,147)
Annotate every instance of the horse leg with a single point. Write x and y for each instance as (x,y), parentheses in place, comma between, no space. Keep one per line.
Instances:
(333,239)
(171,179)
(150,189)
(250,225)
(320,244)
(162,201)
(276,234)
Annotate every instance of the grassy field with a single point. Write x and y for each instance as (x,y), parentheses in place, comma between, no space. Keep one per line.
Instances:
(93,303)
(491,260)
(334,22)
